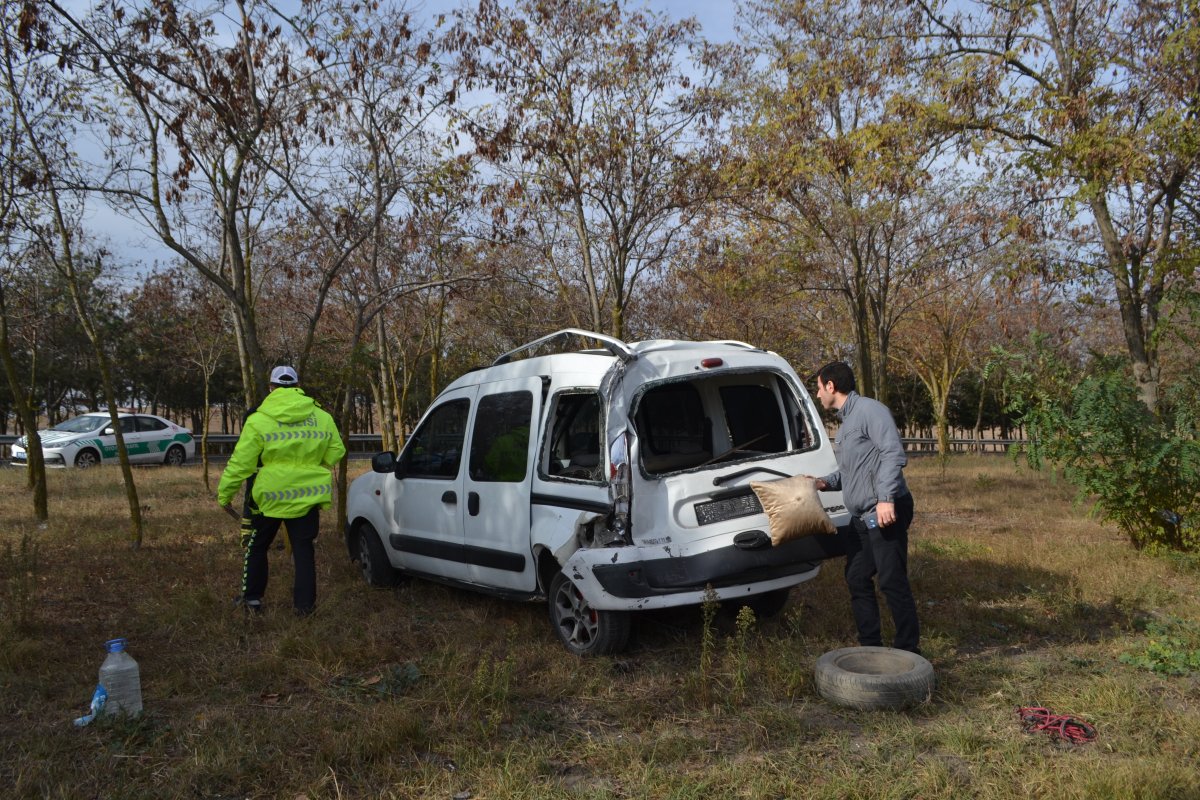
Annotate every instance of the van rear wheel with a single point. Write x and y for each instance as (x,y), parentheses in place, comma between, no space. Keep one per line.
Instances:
(584,630)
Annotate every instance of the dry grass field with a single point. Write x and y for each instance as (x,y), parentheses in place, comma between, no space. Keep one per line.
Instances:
(428,692)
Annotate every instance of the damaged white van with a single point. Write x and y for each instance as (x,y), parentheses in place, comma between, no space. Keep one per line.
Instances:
(605,481)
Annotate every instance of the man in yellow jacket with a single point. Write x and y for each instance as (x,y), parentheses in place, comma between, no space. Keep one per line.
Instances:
(297,443)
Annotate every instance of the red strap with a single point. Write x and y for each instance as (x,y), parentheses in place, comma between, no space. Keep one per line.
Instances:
(1064,726)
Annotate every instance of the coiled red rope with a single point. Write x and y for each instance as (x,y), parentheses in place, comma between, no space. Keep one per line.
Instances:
(1064,726)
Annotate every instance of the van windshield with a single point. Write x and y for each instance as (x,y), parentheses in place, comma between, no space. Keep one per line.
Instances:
(720,419)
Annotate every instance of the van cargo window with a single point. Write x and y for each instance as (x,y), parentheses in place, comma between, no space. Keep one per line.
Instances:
(500,441)
(753,418)
(717,419)
(673,430)
(435,448)
(574,447)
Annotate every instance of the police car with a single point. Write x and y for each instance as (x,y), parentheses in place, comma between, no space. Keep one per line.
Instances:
(89,439)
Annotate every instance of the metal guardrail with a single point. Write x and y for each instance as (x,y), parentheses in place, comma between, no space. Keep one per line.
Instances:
(220,445)
(929,446)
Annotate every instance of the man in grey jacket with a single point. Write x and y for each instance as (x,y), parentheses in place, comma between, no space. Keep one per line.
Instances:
(870,474)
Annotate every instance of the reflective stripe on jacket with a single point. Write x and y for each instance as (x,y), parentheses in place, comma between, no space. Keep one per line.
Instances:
(297,442)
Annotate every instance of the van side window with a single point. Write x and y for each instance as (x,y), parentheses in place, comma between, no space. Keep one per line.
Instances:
(500,441)
(798,422)
(674,432)
(574,447)
(435,449)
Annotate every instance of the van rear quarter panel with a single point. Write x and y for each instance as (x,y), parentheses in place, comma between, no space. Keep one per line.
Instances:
(562,506)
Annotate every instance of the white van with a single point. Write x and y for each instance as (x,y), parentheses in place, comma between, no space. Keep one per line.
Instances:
(605,481)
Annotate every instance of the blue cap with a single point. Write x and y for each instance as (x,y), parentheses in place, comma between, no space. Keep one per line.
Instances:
(115,645)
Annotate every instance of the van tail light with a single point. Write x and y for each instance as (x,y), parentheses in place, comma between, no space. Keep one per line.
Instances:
(620,488)
(710,363)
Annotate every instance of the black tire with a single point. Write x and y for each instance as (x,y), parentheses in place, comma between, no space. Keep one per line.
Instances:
(869,678)
(176,456)
(765,605)
(85,459)
(585,631)
(372,560)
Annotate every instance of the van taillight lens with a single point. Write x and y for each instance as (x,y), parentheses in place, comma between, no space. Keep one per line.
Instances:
(709,363)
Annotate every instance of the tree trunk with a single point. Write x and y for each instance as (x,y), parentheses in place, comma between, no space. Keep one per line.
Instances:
(386,395)
(35,465)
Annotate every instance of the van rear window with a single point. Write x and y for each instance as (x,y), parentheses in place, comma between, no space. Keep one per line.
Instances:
(688,424)
(752,417)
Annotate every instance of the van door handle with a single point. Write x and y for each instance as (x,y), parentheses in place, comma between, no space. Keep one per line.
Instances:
(449,497)
(473,503)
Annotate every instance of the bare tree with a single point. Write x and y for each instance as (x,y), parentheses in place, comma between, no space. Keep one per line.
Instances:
(204,103)
(833,155)
(596,129)
(1095,104)
(18,175)
(45,121)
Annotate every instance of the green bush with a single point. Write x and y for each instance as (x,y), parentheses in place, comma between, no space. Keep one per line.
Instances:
(1172,648)
(1141,469)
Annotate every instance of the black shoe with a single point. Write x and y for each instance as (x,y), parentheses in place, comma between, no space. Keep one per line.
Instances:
(250,606)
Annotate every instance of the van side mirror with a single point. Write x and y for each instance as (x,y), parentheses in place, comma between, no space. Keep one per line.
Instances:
(384,462)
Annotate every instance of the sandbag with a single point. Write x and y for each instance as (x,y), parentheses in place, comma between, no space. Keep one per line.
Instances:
(793,508)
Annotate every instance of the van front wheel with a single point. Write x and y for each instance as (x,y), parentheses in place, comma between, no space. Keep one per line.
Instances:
(372,560)
(584,630)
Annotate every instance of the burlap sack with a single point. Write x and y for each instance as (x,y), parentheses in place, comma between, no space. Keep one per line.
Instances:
(793,508)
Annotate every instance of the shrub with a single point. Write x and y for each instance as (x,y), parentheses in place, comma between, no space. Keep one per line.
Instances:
(1142,469)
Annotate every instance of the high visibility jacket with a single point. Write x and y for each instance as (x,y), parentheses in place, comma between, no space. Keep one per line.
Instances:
(298,442)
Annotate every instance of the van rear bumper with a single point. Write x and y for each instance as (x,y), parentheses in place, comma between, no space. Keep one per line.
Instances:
(675,580)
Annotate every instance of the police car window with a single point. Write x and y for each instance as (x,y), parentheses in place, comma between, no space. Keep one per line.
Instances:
(127,424)
(150,424)
(84,424)
(435,448)
(500,441)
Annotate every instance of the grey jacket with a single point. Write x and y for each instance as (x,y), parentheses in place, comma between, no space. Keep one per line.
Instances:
(870,456)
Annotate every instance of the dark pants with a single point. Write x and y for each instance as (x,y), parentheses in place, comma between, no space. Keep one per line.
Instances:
(302,531)
(882,553)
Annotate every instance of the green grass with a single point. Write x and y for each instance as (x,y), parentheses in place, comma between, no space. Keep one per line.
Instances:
(424,691)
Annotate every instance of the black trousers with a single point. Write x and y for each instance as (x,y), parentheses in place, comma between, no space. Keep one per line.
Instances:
(882,553)
(302,531)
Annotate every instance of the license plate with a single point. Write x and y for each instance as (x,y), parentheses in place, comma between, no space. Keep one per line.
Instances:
(743,505)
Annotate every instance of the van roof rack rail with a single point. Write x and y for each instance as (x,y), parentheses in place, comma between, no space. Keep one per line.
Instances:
(614,346)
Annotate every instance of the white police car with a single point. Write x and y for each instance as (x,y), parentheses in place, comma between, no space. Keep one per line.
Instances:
(88,440)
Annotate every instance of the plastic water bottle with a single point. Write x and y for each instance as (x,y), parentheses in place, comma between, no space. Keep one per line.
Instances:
(121,678)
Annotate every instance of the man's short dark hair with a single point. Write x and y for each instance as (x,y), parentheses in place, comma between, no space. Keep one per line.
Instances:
(840,373)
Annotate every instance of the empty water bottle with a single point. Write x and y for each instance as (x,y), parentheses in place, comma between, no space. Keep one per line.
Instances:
(120,677)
